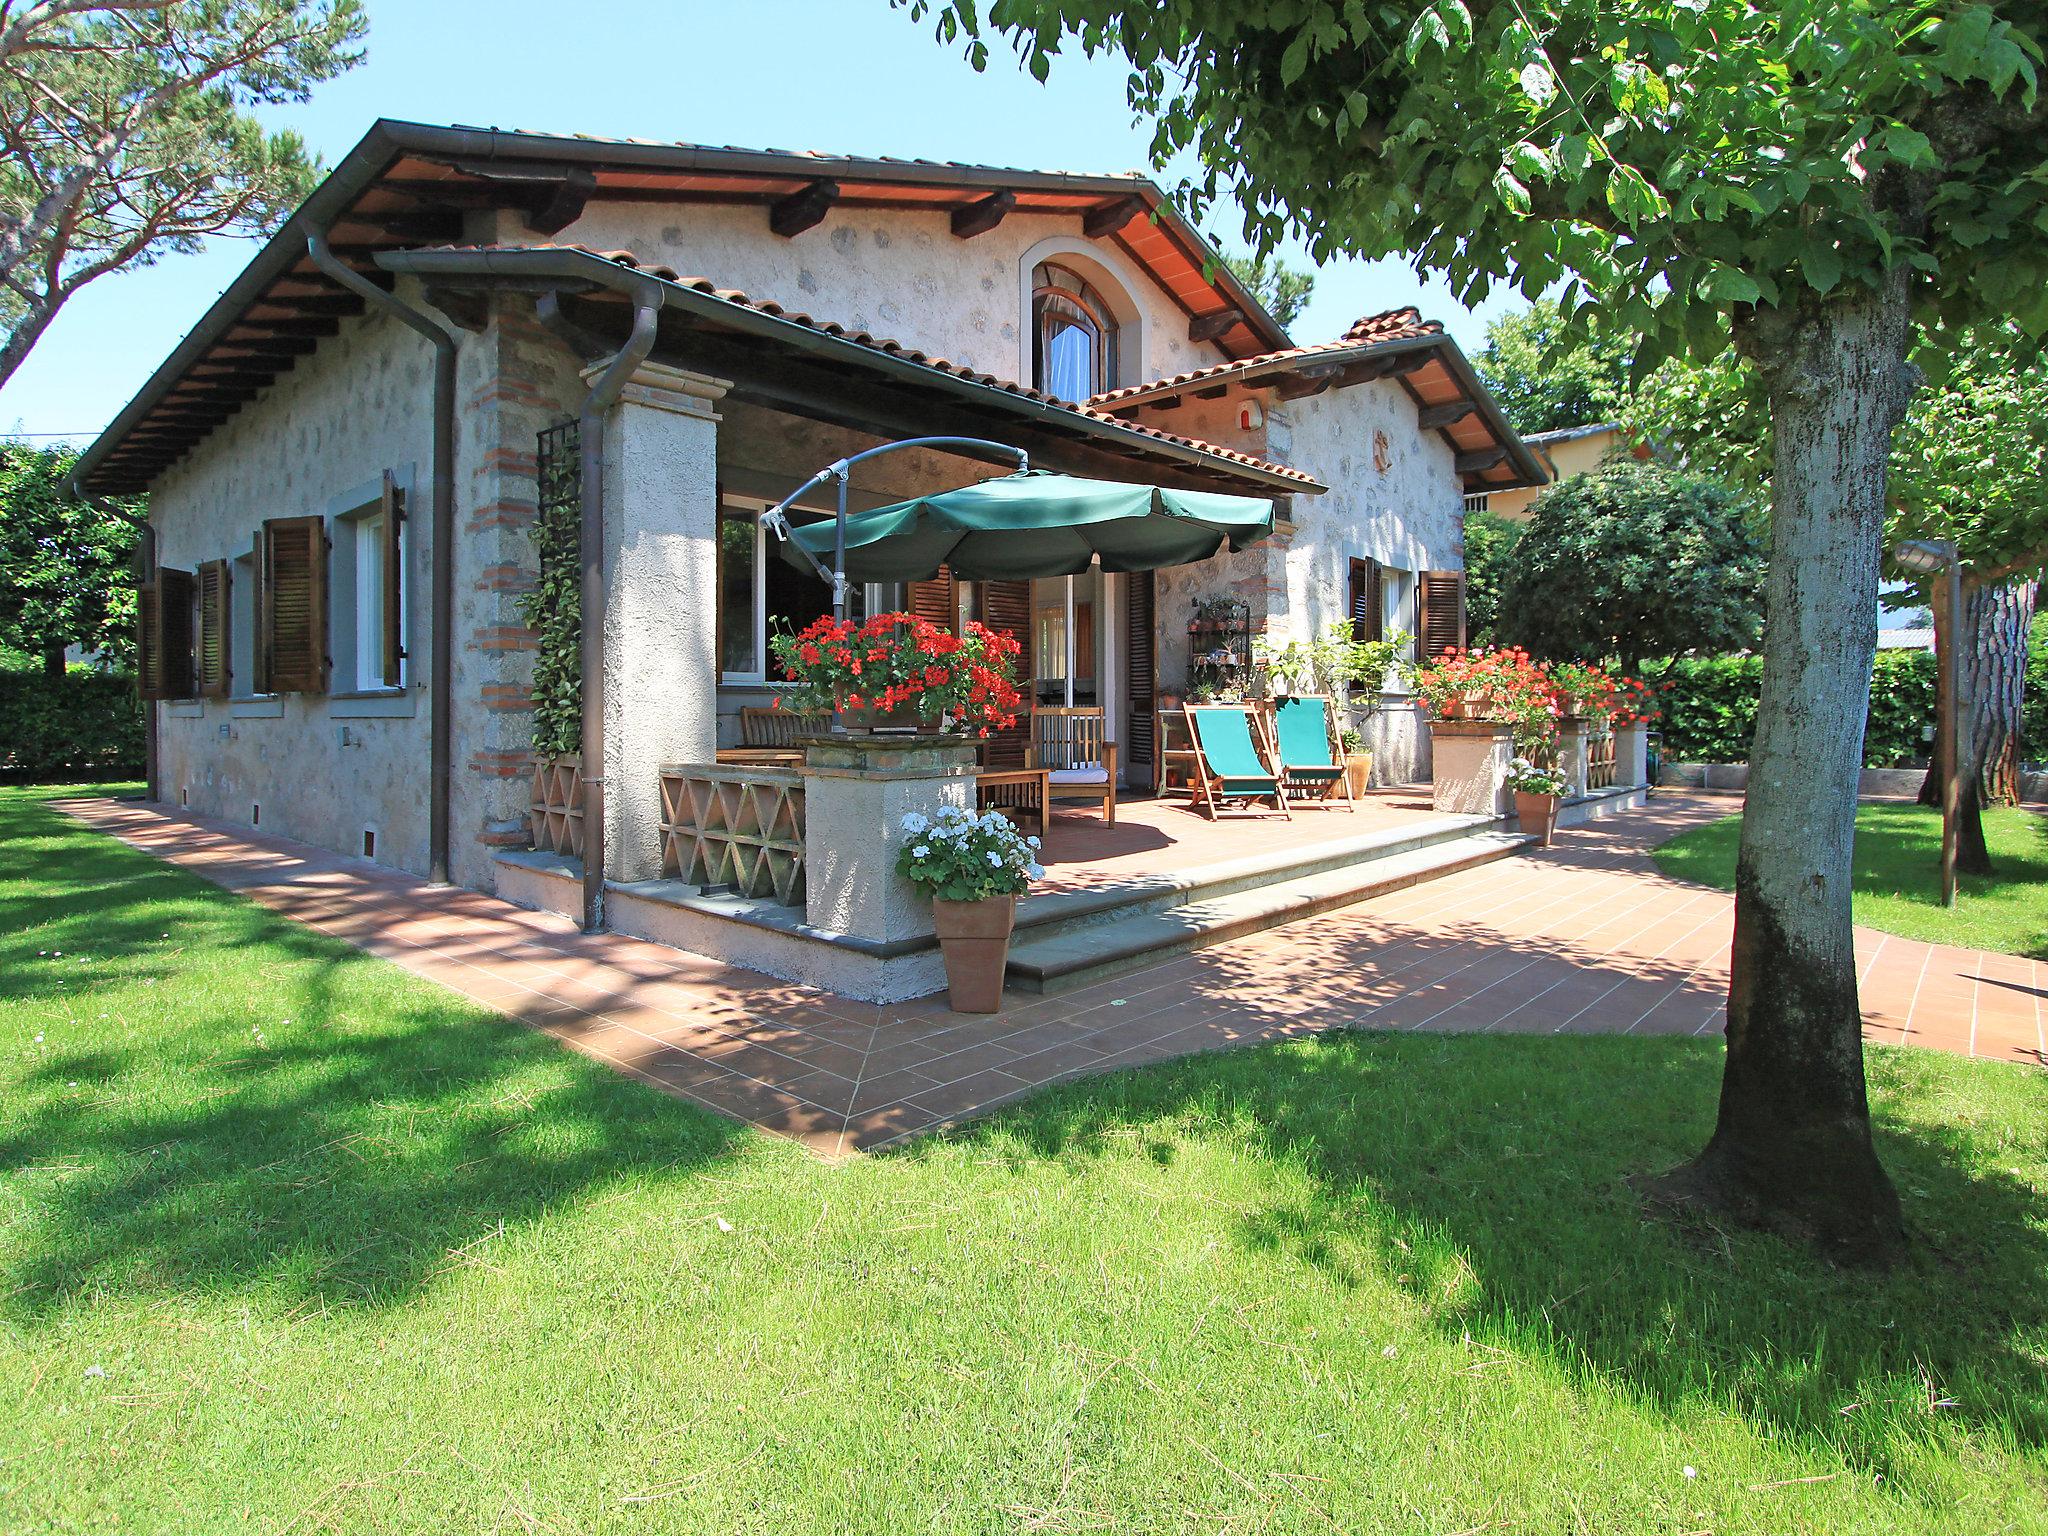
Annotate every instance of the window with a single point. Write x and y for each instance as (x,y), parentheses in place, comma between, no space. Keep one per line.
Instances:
(165,609)
(1073,346)
(369,597)
(760,593)
(292,631)
(242,626)
(1439,612)
(213,652)
(1476,503)
(1363,604)
(1397,593)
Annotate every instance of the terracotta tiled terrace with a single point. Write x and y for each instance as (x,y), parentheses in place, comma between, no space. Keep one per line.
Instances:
(1586,937)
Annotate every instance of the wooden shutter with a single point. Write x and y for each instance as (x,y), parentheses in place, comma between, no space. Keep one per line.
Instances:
(1440,612)
(934,599)
(164,617)
(295,603)
(1141,680)
(1006,609)
(1365,604)
(213,658)
(390,556)
(259,617)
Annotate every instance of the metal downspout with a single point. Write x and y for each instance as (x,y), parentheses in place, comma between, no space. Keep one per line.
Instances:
(604,393)
(145,570)
(441,689)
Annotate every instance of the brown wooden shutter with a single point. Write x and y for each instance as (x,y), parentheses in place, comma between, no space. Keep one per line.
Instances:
(934,599)
(1141,680)
(167,635)
(149,664)
(1006,609)
(1366,606)
(214,610)
(1440,612)
(295,603)
(259,615)
(391,557)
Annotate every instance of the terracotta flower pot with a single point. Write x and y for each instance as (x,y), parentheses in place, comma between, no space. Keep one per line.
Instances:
(1358,769)
(1537,814)
(867,719)
(974,936)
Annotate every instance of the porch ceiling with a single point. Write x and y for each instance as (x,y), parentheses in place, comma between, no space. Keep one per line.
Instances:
(792,362)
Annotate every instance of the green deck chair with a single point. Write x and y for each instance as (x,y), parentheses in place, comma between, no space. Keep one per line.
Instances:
(1308,764)
(1228,764)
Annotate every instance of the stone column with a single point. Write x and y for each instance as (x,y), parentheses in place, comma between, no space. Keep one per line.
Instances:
(661,577)
(1572,752)
(1469,769)
(857,791)
(1631,754)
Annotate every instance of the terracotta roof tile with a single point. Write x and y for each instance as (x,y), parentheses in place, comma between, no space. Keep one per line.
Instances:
(1391,325)
(893,348)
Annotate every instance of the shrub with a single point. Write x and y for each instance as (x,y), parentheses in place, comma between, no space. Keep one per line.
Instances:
(1709,705)
(960,856)
(81,724)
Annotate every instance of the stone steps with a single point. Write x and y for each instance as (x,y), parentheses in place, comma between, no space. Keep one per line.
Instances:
(1060,956)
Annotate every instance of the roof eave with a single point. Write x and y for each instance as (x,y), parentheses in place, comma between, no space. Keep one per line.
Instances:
(573,265)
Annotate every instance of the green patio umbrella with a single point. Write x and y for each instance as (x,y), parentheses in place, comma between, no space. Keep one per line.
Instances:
(1035,523)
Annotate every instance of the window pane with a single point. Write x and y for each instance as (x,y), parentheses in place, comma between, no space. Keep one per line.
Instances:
(795,597)
(737,653)
(369,533)
(1069,360)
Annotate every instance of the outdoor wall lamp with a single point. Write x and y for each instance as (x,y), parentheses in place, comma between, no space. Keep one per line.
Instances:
(1939,558)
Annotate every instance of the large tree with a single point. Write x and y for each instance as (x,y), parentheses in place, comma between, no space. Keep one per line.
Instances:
(1968,464)
(1803,177)
(1634,560)
(1548,373)
(65,562)
(126,134)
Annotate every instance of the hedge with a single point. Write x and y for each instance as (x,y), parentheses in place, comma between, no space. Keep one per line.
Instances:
(78,725)
(1710,707)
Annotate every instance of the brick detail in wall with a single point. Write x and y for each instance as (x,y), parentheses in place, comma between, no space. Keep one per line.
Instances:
(504,637)
(501,765)
(505,390)
(512,512)
(506,697)
(507,461)
(504,834)
(505,578)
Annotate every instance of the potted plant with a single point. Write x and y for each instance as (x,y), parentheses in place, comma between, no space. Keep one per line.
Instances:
(1357,762)
(974,868)
(1537,793)
(898,669)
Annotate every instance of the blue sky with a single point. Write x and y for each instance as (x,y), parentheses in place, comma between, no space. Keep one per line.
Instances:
(838,75)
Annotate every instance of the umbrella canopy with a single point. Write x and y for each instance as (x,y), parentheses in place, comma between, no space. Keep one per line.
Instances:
(1037,524)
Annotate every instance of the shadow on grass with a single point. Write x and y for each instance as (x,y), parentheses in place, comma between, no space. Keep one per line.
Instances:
(294,1118)
(1484,1178)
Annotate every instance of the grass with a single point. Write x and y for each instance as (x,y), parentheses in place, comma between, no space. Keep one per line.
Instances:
(1897,876)
(291,1241)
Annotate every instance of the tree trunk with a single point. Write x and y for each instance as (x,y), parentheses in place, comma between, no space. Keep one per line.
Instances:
(1991,671)
(53,661)
(1791,1149)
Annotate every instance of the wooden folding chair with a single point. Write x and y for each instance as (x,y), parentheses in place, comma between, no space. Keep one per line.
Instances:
(1232,762)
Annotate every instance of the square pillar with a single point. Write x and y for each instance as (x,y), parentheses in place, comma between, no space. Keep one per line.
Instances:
(1469,766)
(1631,754)
(661,577)
(857,790)
(1573,737)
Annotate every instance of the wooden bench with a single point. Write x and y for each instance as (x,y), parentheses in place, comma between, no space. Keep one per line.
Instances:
(769,736)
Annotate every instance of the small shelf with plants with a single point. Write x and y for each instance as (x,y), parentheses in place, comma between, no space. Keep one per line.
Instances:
(1219,648)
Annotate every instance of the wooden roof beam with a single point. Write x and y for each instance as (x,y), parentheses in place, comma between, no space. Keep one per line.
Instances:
(1108,218)
(1210,327)
(979,218)
(1479,459)
(803,209)
(1431,418)
(1306,382)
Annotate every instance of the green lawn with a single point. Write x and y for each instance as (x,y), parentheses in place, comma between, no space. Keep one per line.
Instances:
(1898,876)
(291,1241)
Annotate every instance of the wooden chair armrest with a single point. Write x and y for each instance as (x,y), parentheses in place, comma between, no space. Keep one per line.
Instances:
(1109,761)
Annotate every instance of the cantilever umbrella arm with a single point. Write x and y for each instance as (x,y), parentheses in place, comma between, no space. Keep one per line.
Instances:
(776,519)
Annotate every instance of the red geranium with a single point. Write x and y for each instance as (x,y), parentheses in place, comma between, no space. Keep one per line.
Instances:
(892,659)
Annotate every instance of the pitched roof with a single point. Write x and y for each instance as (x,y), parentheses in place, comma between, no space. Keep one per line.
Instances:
(406,185)
(1449,396)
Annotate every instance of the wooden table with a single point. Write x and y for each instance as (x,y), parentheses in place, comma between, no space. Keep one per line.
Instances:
(1015,789)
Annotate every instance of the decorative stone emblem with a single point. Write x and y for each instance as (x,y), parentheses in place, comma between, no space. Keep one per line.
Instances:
(1382,452)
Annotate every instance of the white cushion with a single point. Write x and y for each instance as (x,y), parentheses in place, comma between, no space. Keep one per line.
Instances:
(1079,776)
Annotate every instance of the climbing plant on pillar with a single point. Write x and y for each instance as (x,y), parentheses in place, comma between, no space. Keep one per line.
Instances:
(553,608)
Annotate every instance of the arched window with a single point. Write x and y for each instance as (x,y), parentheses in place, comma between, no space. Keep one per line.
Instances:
(1073,335)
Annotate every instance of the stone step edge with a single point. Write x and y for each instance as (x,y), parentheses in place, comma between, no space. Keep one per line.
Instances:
(1078,957)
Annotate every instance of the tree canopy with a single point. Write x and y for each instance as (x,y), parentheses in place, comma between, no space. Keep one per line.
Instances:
(127,134)
(1490,543)
(66,562)
(1284,290)
(1631,561)
(1548,375)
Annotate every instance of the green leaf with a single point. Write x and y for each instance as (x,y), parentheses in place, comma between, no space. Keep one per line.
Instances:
(1295,60)
(1725,285)
(1822,265)
(1510,191)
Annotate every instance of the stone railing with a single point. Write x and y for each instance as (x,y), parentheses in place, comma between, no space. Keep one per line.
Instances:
(734,826)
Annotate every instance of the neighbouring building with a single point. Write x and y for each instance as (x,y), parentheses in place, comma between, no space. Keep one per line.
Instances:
(1563,453)
(335,644)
